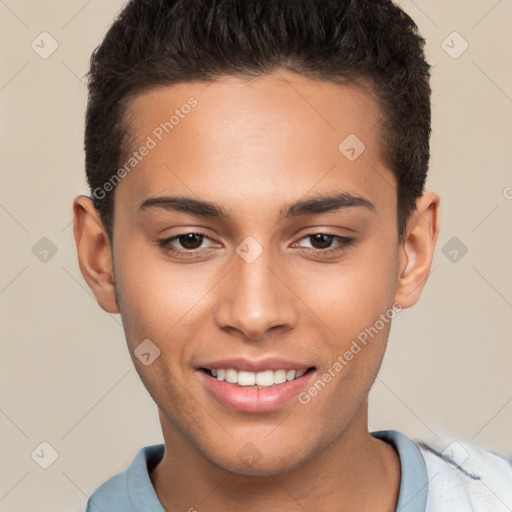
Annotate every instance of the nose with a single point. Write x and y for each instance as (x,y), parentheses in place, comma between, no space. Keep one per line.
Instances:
(256,297)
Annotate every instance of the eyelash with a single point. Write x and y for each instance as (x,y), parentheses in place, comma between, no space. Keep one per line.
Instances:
(344,242)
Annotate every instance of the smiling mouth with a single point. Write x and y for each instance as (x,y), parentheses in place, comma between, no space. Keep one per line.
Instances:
(263,379)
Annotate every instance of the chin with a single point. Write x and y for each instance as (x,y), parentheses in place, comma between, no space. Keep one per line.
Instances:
(251,462)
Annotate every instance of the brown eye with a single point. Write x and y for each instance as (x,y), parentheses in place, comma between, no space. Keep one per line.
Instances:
(321,240)
(321,243)
(184,243)
(190,240)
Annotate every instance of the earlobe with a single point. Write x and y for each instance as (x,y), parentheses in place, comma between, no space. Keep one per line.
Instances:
(94,253)
(417,249)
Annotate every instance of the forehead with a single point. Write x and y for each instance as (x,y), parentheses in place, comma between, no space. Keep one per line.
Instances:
(271,139)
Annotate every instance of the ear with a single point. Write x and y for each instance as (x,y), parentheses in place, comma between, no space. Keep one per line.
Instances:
(417,249)
(94,253)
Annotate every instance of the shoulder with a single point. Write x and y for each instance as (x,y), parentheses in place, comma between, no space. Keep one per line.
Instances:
(131,490)
(464,476)
(110,494)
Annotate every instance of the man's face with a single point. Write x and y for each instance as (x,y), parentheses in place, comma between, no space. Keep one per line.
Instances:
(260,289)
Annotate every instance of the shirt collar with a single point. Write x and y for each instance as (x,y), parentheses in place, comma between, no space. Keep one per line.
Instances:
(414,479)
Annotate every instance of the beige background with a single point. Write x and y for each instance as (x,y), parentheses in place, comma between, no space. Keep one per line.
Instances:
(66,375)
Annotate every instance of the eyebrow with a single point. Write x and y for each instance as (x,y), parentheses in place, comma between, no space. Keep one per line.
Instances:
(314,205)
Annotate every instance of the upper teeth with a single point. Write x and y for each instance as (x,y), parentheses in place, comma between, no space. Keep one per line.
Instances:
(265,378)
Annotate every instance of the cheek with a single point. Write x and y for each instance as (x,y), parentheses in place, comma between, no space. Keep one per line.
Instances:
(157,302)
(350,296)
(354,301)
(156,295)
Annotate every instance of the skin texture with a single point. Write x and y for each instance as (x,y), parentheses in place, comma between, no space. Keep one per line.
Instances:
(254,148)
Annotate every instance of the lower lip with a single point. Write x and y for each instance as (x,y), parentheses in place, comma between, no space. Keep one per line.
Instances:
(250,399)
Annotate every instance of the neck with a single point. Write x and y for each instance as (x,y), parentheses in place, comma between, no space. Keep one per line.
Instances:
(354,472)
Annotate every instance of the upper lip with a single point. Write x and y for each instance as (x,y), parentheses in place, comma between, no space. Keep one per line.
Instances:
(240,363)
